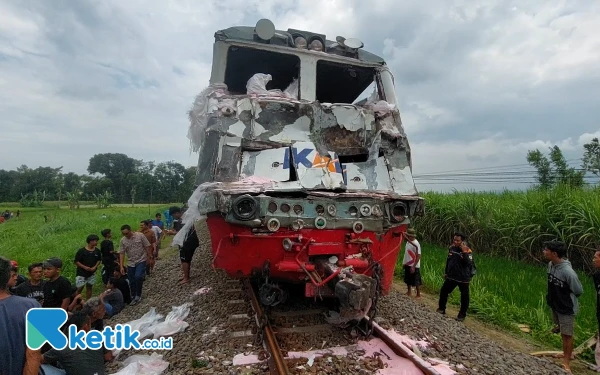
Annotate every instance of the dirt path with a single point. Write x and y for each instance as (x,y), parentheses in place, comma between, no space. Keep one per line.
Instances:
(520,343)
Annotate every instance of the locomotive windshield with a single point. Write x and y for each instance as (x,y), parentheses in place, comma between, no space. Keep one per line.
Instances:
(330,81)
(301,111)
(244,62)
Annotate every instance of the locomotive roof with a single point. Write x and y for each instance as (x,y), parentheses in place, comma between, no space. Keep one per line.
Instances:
(246,34)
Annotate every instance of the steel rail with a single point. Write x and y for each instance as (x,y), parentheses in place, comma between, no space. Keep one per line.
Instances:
(277,364)
(403,351)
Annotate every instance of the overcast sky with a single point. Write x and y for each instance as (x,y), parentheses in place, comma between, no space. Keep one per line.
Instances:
(478,85)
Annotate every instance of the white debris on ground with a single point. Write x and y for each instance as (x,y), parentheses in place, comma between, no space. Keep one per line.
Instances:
(141,364)
(152,324)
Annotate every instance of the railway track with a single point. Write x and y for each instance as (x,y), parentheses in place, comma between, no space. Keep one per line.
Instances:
(295,336)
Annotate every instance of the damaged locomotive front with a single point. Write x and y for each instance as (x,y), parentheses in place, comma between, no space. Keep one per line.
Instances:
(304,169)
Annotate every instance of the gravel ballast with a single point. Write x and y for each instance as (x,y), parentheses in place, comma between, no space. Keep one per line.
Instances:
(207,348)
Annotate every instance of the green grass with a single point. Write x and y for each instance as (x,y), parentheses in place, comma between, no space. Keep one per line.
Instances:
(515,224)
(30,239)
(507,293)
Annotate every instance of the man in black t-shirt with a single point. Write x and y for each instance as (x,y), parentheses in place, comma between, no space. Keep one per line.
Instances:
(88,260)
(57,289)
(119,281)
(34,287)
(110,262)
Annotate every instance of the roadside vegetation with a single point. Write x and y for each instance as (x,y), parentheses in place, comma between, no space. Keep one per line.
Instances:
(507,230)
(514,225)
(507,293)
(31,238)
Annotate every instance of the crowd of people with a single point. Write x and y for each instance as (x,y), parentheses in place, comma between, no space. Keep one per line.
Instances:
(122,271)
(564,286)
(125,270)
(7,215)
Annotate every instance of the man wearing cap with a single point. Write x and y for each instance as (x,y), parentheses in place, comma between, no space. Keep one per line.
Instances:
(139,254)
(412,262)
(57,289)
(15,357)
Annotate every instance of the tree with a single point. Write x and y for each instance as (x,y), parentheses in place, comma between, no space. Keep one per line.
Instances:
(92,186)
(554,171)
(121,179)
(170,176)
(117,168)
(187,188)
(7,181)
(591,157)
(142,182)
(563,174)
(544,170)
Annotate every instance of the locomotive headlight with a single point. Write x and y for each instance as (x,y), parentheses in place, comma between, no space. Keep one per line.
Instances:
(365,210)
(316,45)
(287,244)
(298,224)
(358,227)
(320,222)
(300,42)
(331,210)
(245,207)
(398,210)
(273,225)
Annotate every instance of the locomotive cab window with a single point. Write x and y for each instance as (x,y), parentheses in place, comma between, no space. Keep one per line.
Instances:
(343,83)
(243,63)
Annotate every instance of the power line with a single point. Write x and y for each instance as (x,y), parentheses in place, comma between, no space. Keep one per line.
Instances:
(495,167)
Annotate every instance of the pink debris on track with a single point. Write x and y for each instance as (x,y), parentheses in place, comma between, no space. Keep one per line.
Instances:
(441,367)
(200,291)
(396,365)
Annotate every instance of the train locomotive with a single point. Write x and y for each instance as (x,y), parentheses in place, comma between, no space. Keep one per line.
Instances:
(300,180)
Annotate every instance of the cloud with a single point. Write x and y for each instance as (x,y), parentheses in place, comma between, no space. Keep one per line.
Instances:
(494,77)
(494,163)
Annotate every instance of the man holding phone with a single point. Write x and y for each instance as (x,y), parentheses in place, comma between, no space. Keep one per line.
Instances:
(460,268)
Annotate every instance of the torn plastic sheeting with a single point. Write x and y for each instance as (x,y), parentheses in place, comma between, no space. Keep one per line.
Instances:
(142,364)
(202,192)
(382,107)
(143,325)
(174,322)
(257,85)
(198,115)
(146,322)
(150,323)
(192,214)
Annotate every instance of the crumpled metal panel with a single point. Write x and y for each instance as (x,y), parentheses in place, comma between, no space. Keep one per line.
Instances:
(402,180)
(267,163)
(316,170)
(369,175)
(250,129)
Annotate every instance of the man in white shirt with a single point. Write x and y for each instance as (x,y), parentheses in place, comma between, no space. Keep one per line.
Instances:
(412,262)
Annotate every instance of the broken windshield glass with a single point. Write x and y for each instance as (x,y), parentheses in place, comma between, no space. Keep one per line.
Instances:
(342,83)
(243,63)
